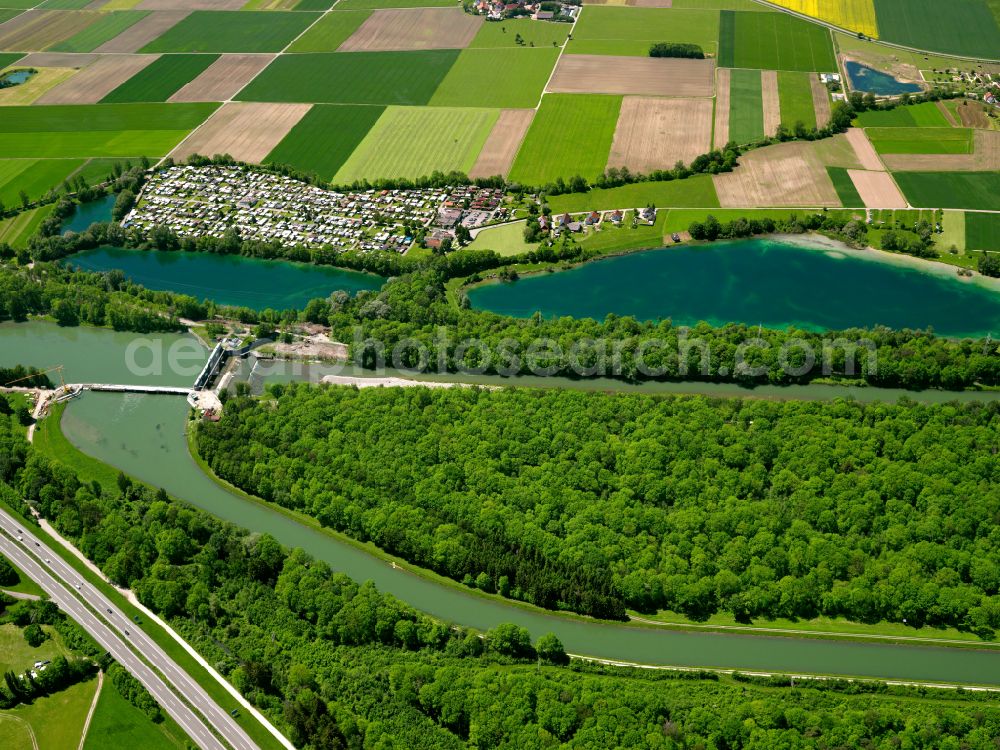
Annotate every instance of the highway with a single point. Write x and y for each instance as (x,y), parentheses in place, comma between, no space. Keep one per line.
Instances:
(69,590)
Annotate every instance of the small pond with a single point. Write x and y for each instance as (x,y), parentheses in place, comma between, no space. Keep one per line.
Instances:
(876,82)
(16,77)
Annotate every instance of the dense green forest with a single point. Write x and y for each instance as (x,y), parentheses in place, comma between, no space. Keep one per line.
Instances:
(339,665)
(597,502)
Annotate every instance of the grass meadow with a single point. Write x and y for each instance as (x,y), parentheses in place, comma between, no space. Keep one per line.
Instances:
(17,230)
(159,80)
(921,140)
(323,140)
(34,176)
(746,107)
(505,240)
(499,77)
(924,115)
(352,78)
(415,141)
(570,135)
(982,231)
(795,95)
(610,30)
(330,31)
(532,34)
(844,185)
(694,192)
(56,720)
(107,27)
(118,724)
(972,190)
(958,27)
(774,41)
(232,31)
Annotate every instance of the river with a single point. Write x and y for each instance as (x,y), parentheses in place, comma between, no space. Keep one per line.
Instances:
(144,436)
(761,281)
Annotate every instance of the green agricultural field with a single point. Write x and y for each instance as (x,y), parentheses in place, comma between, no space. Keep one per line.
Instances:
(774,41)
(34,177)
(721,5)
(501,77)
(56,720)
(746,107)
(322,140)
(108,130)
(376,4)
(924,115)
(352,78)
(64,4)
(921,140)
(17,230)
(680,219)
(159,80)
(694,192)
(958,27)
(795,94)
(330,31)
(7,58)
(118,724)
(505,240)
(232,31)
(844,185)
(108,26)
(314,4)
(415,141)
(971,190)
(571,135)
(982,231)
(95,171)
(533,34)
(610,30)
(8,13)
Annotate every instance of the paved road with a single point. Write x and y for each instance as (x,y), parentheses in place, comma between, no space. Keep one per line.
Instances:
(113,633)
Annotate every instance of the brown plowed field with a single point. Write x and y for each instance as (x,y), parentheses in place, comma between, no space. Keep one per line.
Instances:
(821,100)
(36,30)
(138,35)
(788,174)
(867,155)
(656,133)
(417,28)
(722,107)
(223,79)
(877,189)
(58,60)
(96,81)
(648,76)
(503,142)
(247,131)
(191,4)
(770,100)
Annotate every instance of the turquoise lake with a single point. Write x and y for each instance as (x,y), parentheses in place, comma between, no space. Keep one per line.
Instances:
(876,82)
(766,282)
(227,279)
(89,213)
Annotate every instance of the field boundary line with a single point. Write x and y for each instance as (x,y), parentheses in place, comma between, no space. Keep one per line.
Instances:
(562,51)
(93,707)
(27,725)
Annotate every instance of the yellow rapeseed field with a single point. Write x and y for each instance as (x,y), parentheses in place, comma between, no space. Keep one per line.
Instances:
(856,15)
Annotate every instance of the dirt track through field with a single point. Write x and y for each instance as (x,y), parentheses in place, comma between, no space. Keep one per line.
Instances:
(223,79)
(864,149)
(96,81)
(722,107)
(877,189)
(821,100)
(191,5)
(414,29)
(247,131)
(138,35)
(36,30)
(503,142)
(770,100)
(649,76)
(985,158)
(788,174)
(656,133)
(650,3)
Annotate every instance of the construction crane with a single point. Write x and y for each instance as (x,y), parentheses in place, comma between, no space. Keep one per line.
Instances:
(57,368)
